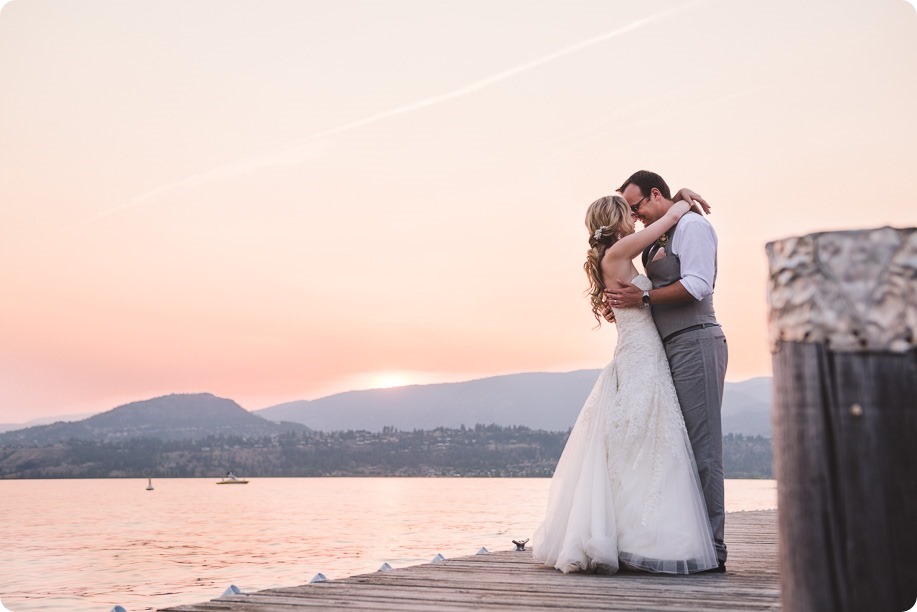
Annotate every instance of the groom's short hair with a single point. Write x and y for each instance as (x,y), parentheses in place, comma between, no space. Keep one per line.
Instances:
(646,180)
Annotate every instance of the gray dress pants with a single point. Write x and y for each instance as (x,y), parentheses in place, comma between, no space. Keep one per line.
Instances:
(698,363)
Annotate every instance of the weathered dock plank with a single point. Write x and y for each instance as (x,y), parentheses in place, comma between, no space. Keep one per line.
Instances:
(511,580)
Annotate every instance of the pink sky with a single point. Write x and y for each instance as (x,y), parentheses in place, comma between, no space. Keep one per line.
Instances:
(282,200)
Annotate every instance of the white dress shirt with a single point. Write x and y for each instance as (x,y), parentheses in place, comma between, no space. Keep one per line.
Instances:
(695,244)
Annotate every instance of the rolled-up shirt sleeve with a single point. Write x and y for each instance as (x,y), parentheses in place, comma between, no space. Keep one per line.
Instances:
(695,244)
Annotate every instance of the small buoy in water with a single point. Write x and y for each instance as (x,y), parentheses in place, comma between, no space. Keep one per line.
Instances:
(232,590)
(384,567)
(520,544)
(115,609)
(319,577)
(437,559)
(483,551)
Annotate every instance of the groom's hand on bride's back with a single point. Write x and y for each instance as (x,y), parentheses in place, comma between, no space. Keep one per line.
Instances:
(624,295)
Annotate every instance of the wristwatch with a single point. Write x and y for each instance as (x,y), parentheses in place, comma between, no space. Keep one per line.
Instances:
(646,298)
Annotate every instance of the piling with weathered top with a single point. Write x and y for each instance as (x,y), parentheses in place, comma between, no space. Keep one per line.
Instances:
(842,325)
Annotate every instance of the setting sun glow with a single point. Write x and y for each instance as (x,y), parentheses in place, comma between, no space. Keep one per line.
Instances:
(387,380)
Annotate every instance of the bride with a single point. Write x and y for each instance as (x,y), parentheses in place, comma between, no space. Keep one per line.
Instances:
(625,491)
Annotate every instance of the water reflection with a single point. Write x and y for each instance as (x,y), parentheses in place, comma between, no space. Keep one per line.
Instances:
(90,544)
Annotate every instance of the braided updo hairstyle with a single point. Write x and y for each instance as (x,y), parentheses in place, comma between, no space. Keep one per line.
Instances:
(607,219)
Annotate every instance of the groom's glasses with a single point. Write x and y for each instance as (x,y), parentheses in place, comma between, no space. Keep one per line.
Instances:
(635,207)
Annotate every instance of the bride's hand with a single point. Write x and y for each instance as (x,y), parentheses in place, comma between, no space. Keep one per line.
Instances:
(609,315)
(692,197)
(679,209)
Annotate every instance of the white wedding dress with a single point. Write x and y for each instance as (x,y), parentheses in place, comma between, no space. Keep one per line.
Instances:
(626,490)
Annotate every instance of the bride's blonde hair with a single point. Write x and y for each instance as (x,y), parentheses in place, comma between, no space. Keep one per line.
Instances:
(607,219)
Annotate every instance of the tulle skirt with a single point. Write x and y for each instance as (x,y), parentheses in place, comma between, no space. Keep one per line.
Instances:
(626,490)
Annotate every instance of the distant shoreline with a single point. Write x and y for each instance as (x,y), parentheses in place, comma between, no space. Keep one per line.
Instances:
(483,451)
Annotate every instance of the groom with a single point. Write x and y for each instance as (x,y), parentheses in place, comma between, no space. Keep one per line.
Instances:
(682,268)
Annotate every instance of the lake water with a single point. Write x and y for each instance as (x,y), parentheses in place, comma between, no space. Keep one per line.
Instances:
(90,544)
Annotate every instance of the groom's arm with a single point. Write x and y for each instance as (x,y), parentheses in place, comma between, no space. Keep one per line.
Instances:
(670,294)
(626,295)
(695,245)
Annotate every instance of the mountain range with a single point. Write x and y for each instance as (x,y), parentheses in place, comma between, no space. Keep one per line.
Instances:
(546,401)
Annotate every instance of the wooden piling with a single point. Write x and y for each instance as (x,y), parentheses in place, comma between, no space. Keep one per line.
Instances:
(842,325)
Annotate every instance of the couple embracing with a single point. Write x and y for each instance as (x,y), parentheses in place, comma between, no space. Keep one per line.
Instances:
(640,482)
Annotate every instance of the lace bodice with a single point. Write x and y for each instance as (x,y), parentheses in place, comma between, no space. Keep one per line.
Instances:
(636,330)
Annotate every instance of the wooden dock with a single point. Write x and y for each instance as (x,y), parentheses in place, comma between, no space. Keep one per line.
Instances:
(511,580)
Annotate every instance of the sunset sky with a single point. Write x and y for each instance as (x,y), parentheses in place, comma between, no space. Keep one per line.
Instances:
(280,200)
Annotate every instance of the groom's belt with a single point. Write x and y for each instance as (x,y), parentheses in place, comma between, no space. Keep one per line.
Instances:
(687,329)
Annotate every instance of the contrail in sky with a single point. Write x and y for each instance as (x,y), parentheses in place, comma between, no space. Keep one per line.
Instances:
(505,74)
(310,147)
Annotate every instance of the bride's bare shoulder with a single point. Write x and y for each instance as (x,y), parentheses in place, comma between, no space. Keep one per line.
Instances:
(614,266)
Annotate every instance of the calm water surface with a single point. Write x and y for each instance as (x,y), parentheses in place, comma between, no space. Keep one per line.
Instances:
(90,544)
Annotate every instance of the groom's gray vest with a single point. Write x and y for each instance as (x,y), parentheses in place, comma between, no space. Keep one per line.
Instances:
(671,318)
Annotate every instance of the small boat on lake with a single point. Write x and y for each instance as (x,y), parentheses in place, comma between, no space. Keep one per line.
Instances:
(231,478)
(149,486)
